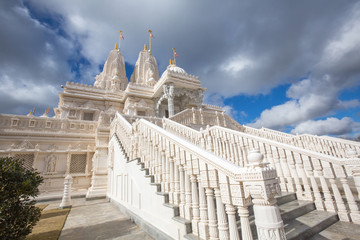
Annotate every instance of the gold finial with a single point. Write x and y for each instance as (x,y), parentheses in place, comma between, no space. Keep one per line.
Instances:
(145,47)
(116,46)
(170,62)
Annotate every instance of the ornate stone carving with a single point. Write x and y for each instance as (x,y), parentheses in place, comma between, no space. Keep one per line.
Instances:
(50,164)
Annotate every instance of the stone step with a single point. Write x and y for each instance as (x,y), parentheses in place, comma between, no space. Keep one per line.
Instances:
(305,226)
(339,231)
(285,197)
(288,210)
(294,209)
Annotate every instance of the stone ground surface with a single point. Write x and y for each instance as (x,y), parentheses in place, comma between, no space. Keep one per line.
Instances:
(339,231)
(97,219)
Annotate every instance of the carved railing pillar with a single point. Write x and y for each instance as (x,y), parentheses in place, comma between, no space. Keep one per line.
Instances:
(195,204)
(193,116)
(267,215)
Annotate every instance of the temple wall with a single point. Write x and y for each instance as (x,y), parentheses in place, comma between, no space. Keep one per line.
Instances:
(132,192)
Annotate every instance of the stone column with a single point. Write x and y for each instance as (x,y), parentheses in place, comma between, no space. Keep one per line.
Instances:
(170,97)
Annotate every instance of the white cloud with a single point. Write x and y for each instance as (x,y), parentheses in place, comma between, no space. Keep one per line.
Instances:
(317,96)
(329,126)
(234,66)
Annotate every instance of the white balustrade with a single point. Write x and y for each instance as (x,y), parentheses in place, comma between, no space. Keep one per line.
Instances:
(209,190)
(310,174)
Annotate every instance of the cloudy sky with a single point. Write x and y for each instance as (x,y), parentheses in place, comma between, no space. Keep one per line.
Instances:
(287,65)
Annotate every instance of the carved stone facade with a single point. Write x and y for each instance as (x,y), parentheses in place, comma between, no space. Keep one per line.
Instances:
(75,140)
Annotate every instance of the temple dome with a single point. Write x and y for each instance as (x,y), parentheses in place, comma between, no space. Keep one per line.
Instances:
(176,69)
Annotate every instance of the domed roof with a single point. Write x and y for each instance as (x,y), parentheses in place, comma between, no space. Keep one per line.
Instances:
(176,69)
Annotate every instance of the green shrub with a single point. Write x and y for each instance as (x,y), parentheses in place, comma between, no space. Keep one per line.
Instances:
(18,187)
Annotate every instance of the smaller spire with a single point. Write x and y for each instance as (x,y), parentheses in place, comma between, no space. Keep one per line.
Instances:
(145,47)
(116,47)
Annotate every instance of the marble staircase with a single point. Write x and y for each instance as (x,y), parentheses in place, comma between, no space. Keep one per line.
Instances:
(301,219)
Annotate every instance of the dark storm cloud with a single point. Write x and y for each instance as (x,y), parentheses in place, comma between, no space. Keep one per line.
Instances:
(32,60)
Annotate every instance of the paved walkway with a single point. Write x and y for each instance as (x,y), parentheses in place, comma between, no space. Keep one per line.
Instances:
(97,219)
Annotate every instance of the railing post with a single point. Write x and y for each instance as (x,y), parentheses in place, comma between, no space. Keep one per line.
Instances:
(193,116)
(201,116)
(267,215)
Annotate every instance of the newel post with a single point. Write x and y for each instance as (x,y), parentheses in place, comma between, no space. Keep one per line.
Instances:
(262,188)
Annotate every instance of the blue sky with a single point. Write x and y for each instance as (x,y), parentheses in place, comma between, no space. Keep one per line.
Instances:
(285,65)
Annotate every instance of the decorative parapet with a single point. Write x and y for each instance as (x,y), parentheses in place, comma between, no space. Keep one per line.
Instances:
(43,125)
(81,86)
(212,107)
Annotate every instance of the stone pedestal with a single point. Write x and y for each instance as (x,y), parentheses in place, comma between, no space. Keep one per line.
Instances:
(66,200)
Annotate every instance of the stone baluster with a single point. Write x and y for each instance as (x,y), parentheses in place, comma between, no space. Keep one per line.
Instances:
(308,195)
(221,216)
(201,116)
(224,119)
(243,212)
(230,190)
(353,162)
(212,222)
(193,115)
(188,197)
(182,191)
(227,147)
(203,225)
(217,119)
(294,173)
(267,215)
(163,170)
(279,169)
(329,202)
(167,167)
(172,180)
(156,164)
(354,209)
(342,211)
(237,154)
(232,146)
(233,230)
(177,185)
(286,169)
(319,203)
(195,204)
